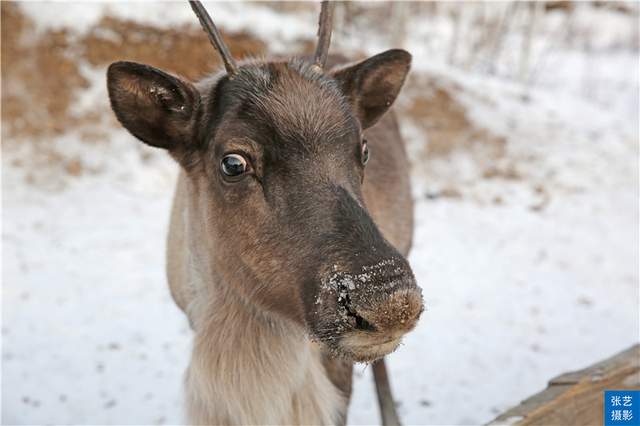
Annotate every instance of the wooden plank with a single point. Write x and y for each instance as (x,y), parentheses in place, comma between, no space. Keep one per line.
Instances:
(576,398)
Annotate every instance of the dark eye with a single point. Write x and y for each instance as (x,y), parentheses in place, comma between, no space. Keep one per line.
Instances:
(233,165)
(365,151)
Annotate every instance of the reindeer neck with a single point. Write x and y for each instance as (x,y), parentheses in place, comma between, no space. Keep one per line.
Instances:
(251,368)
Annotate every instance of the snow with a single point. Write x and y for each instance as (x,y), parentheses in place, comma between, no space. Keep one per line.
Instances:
(516,292)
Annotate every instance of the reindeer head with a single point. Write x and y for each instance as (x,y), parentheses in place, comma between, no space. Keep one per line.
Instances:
(275,158)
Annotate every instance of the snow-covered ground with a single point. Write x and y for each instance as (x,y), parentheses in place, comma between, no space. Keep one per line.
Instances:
(524,277)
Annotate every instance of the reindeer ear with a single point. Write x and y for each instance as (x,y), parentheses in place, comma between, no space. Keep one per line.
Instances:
(373,84)
(155,107)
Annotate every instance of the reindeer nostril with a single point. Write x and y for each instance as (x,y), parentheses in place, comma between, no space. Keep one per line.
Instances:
(344,301)
(363,324)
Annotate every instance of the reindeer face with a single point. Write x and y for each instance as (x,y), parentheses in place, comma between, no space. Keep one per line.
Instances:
(279,159)
(276,158)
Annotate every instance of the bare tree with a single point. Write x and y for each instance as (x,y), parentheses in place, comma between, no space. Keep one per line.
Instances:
(456,16)
(534,11)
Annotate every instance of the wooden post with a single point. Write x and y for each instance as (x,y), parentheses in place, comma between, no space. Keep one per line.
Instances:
(385,398)
(577,398)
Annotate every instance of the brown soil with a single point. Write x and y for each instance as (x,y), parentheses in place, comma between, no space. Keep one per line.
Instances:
(39,80)
(41,75)
(114,39)
(433,108)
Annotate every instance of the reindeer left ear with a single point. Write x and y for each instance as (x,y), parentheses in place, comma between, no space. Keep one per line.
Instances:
(157,108)
(373,84)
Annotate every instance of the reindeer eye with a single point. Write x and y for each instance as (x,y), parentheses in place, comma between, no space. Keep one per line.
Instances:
(365,152)
(233,165)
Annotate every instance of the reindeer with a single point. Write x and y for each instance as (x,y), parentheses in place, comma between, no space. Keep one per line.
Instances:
(290,225)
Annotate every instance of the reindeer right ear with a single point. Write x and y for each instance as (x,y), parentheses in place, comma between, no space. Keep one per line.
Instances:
(373,84)
(155,107)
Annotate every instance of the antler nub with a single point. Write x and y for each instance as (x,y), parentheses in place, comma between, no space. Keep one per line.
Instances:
(324,33)
(214,36)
